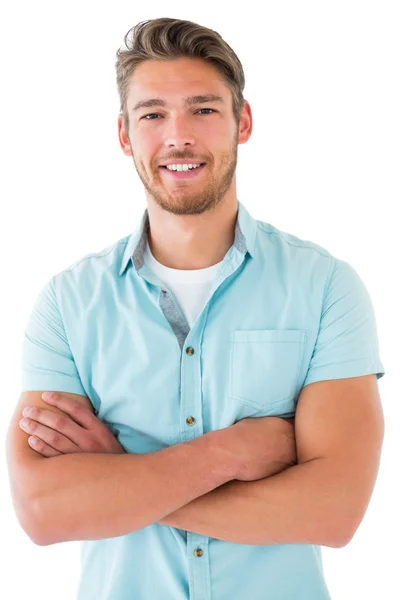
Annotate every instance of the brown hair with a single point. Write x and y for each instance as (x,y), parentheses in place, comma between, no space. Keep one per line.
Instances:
(167,39)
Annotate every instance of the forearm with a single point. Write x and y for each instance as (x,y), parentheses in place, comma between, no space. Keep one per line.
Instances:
(301,505)
(89,496)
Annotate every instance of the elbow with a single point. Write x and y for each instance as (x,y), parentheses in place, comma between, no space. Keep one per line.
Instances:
(32,531)
(38,540)
(40,534)
(338,544)
(39,537)
(336,541)
(343,535)
(346,539)
(342,542)
(32,524)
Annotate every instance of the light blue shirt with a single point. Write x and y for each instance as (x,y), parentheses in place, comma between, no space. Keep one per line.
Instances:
(283,312)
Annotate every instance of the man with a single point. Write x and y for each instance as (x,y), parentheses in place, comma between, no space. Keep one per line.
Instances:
(182,354)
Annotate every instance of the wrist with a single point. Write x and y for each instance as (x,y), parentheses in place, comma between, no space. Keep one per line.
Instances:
(223,459)
(288,445)
(215,446)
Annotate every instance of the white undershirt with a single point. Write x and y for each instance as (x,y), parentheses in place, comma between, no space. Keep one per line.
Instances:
(190,289)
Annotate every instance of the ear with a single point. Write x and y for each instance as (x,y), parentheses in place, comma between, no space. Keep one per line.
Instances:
(123,137)
(245,124)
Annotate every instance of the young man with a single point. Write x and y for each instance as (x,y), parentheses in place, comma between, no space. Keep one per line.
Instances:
(170,345)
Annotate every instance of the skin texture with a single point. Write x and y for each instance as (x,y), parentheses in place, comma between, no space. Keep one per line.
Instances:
(77,429)
(74,429)
(338,456)
(191,221)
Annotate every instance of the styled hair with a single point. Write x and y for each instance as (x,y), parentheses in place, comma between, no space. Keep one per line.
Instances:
(167,39)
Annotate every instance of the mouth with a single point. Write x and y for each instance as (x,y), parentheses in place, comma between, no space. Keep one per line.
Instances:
(191,174)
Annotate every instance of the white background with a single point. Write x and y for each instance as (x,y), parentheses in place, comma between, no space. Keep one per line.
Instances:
(322,79)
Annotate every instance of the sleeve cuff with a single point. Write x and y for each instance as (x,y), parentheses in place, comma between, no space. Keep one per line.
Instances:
(34,381)
(347,369)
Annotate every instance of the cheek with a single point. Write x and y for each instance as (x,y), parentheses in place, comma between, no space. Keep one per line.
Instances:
(142,146)
(143,159)
(217,141)
(149,154)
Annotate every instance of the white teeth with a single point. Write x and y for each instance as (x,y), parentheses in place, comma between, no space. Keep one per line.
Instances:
(180,167)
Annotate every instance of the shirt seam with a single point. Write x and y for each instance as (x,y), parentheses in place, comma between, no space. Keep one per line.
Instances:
(325,254)
(100,254)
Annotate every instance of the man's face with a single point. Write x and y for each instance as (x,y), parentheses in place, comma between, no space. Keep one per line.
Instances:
(201,132)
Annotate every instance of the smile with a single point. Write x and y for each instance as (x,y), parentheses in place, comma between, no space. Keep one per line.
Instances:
(190,174)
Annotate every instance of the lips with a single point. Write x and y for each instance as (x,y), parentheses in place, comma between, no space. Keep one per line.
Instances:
(182,174)
(193,162)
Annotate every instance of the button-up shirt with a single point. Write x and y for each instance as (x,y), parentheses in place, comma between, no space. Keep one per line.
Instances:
(282,313)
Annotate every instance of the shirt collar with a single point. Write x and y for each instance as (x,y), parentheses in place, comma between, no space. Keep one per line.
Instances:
(245,234)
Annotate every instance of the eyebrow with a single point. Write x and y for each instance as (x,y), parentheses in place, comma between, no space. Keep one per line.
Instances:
(188,101)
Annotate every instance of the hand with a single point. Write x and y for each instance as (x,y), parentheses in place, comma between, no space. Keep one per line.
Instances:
(81,431)
(262,446)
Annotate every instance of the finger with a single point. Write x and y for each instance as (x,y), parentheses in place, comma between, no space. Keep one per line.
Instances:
(42,448)
(87,440)
(59,423)
(51,437)
(79,413)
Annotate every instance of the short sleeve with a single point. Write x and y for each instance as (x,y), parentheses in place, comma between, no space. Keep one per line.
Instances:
(347,343)
(47,361)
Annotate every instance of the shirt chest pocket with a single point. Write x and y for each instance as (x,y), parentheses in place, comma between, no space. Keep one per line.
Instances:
(265,366)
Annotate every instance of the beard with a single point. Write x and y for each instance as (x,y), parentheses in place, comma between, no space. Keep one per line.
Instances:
(192,198)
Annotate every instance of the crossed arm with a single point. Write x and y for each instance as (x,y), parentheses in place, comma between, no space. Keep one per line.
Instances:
(321,500)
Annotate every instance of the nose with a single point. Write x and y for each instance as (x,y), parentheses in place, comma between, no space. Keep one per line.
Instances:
(178,133)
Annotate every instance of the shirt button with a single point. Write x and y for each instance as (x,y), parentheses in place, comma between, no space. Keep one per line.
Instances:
(190,351)
(198,552)
(190,421)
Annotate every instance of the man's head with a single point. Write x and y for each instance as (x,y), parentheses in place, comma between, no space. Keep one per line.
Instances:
(181,93)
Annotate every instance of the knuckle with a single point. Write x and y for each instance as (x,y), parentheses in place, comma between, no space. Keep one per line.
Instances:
(74,409)
(79,408)
(94,445)
(55,440)
(59,421)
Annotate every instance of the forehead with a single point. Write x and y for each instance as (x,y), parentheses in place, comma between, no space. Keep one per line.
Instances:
(180,77)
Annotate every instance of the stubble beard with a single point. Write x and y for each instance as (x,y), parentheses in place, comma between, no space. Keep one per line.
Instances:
(186,202)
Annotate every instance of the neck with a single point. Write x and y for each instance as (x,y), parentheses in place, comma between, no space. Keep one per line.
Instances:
(190,242)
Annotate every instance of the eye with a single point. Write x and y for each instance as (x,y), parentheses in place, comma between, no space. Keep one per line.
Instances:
(157,114)
(150,115)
